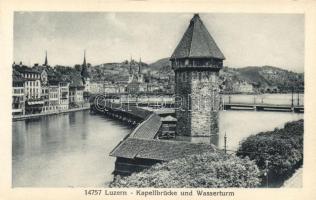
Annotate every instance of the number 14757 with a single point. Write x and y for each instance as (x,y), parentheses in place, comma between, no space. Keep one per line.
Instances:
(92,192)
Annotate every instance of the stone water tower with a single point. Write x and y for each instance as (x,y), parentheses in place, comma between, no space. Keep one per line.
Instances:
(196,62)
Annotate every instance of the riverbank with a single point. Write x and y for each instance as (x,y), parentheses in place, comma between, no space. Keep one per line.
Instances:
(32,116)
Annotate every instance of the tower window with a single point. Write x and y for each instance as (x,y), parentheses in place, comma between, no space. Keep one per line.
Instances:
(213,78)
(186,63)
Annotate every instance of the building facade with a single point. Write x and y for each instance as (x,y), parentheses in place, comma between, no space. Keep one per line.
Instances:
(63,95)
(196,62)
(243,87)
(18,99)
(32,89)
(53,98)
(96,88)
(76,90)
(136,80)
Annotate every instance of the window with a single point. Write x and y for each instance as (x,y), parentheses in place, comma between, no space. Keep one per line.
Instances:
(213,78)
(186,63)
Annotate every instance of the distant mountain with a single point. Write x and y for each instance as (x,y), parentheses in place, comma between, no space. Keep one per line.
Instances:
(264,76)
(160,64)
(259,76)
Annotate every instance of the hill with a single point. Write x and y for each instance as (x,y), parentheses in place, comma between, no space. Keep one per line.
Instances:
(260,77)
(160,64)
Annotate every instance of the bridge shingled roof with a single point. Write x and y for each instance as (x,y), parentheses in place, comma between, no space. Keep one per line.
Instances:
(141,143)
(162,150)
(148,129)
(197,42)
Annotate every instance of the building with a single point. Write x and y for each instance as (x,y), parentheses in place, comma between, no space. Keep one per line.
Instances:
(242,87)
(271,89)
(32,88)
(110,88)
(136,80)
(53,91)
(45,88)
(153,87)
(32,83)
(168,127)
(76,89)
(135,76)
(17,93)
(76,96)
(120,88)
(63,95)
(96,88)
(196,62)
(45,97)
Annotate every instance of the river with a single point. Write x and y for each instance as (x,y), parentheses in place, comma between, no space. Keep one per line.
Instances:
(65,150)
(72,150)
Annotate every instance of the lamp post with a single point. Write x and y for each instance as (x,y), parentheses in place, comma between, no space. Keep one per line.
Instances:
(292,100)
(267,173)
(225,143)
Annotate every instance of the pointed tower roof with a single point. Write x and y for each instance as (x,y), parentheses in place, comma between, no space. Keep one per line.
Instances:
(197,42)
(46,61)
(84,71)
(84,58)
(130,66)
(139,65)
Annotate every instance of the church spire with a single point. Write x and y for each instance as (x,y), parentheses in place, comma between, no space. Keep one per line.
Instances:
(84,58)
(130,66)
(139,65)
(84,71)
(45,62)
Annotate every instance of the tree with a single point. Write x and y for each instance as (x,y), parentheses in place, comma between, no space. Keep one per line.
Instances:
(78,67)
(283,148)
(209,170)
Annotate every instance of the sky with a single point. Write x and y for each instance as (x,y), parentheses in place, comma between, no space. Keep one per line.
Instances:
(244,39)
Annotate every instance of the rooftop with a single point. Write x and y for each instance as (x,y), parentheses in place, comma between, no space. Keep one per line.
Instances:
(197,43)
(148,129)
(17,77)
(141,143)
(162,150)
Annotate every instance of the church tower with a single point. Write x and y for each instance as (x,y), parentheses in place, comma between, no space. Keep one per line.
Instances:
(196,62)
(46,61)
(139,73)
(85,74)
(130,72)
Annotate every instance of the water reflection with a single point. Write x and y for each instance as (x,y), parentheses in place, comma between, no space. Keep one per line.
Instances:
(73,149)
